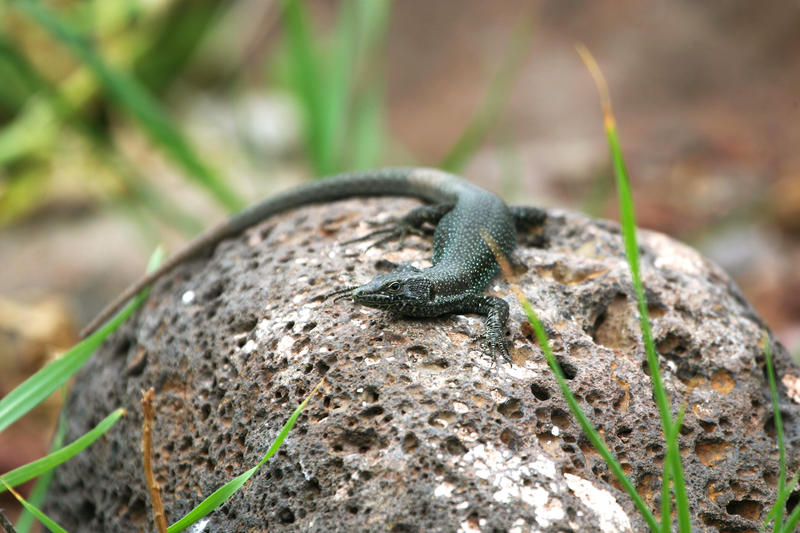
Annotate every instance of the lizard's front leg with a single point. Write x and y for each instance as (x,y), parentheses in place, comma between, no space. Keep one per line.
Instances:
(496,312)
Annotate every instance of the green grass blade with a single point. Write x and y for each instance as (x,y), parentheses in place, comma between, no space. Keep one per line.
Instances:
(50,461)
(780,501)
(37,495)
(791,523)
(219,496)
(40,385)
(307,79)
(368,129)
(339,83)
(672,449)
(628,224)
(666,498)
(127,93)
(487,115)
(43,518)
(577,412)
(586,425)
(776,413)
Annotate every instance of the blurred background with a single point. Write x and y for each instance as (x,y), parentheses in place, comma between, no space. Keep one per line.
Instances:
(129,123)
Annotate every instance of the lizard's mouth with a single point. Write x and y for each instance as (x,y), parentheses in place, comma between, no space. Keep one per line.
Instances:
(364,296)
(342,293)
(371,299)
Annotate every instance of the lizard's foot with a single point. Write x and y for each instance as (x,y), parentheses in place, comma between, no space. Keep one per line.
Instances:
(496,311)
(494,343)
(398,231)
(412,223)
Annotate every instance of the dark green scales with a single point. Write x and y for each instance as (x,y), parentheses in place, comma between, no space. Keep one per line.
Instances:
(462,262)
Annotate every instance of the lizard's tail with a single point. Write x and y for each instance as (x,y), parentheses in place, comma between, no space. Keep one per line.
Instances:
(427,184)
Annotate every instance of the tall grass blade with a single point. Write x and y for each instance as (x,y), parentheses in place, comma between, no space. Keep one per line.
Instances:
(666,512)
(487,115)
(367,129)
(776,413)
(40,385)
(219,496)
(780,501)
(791,523)
(338,84)
(127,93)
(628,224)
(307,80)
(50,461)
(43,518)
(37,495)
(575,408)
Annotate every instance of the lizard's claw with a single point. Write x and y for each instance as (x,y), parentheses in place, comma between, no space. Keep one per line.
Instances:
(493,344)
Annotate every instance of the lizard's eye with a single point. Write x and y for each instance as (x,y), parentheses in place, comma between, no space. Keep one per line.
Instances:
(393,286)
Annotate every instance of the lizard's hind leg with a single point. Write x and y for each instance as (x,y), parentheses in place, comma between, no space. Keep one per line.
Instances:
(526,219)
(526,216)
(412,223)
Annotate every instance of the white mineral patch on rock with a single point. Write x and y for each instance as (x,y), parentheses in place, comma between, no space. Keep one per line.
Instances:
(444,490)
(509,475)
(792,384)
(611,517)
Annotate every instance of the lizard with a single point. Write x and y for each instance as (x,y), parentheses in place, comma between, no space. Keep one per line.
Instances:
(462,262)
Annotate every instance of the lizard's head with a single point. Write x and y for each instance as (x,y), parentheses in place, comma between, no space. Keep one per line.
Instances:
(399,290)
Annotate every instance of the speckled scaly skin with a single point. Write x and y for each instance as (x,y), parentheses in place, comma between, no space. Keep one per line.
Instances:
(463,264)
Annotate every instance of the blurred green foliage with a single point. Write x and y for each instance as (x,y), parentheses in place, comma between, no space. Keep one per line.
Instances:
(99,71)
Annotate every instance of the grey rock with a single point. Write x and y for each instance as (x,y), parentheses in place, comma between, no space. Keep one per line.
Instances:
(416,429)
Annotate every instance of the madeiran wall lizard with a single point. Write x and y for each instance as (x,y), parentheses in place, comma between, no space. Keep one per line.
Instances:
(462,263)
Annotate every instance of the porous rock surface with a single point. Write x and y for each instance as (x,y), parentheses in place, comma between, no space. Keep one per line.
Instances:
(415,429)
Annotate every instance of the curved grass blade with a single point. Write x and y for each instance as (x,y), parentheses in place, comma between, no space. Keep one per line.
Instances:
(129,94)
(672,448)
(791,523)
(219,496)
(487,115)
(40,385)
(39,491)
(628,224)
(308,80)
(586,425)
(52,460)
(780,501)
(43,518)
(575,408)
(777,511)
